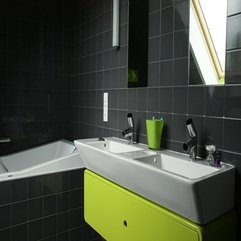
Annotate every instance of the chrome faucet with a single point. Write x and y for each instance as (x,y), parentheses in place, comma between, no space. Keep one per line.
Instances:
(191,145)
(129,132)
(5,139)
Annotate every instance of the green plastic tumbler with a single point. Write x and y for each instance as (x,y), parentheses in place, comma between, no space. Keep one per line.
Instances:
(154,133)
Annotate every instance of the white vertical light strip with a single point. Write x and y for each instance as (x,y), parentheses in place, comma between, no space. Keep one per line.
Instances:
(115,32)
(105,107)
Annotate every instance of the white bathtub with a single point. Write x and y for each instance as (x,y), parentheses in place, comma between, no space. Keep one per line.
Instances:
(49,158)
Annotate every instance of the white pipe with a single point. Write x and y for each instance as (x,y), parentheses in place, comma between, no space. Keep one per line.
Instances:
(115,32)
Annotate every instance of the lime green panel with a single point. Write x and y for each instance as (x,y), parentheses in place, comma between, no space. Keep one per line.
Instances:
(119,215)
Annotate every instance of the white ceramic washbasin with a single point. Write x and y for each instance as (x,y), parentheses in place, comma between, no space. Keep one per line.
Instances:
(193,189)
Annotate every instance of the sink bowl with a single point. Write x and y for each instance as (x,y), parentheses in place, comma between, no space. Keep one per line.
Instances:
(177,166)
(193,189)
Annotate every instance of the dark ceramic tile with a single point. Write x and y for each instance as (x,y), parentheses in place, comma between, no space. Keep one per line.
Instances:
(181,44)
(107,59)
(19,212)
(232,158)
(180,72)
(231,138)
(153,51)
(114,55)
(76,179)
(106,79)
(123,42)
(87,232)
(76,198)
(154,24)
(114,78)
(182,15)
(113,119)
(214,101)
(167,20)
(166,47)
(107,40)
(179,128)
(141,99)
(233,33)
(49,184)
(165,100)
(35,208)
(49,205)
(131,99)
(153,99)
(167,3)
(232,101)
(234,7)
(52,238)
(233,68)
(6,234)
(122,99)
(124,13)
(19,190)
(113,99)
(154,5)
(63,236)
(75,218)
(153,74)
(100,61)
(196,100)
(122,56)
(122,78)
(35,230)
(62,222)
(180,100)
(166,73)
(177,146)
(214,131)
(108,5)
(76,233)
(49,226)
(20,232)
(167,127)
(5,190)
(5,217)
(141,123)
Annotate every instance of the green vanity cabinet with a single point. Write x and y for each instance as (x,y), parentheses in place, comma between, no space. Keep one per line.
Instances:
(120,215)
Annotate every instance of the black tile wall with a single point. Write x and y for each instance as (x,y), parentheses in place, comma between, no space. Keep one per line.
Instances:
(33,89)
(214,109)
(50,216)
(49,52)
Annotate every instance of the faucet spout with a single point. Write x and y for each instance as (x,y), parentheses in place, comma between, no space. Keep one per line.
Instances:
(5,139)
(129,132)
(191,144)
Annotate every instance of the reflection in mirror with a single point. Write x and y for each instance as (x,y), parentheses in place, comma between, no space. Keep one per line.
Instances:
(207,41)
(138,43)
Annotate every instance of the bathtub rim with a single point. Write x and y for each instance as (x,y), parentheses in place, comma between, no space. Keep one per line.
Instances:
(74,163)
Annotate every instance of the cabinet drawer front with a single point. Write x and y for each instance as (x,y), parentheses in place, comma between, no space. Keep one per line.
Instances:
(119,215)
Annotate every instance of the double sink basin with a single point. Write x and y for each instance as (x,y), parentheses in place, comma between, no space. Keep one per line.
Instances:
(193,189)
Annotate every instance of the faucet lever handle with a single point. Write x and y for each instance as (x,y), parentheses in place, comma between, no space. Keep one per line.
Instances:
(5,139)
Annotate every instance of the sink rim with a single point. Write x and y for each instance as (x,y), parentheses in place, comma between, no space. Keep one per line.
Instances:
(132,156)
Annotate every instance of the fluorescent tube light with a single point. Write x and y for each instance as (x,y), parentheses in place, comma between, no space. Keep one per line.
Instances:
(115,33)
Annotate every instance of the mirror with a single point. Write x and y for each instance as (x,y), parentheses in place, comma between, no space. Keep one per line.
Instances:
(207,42)
(138,43)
